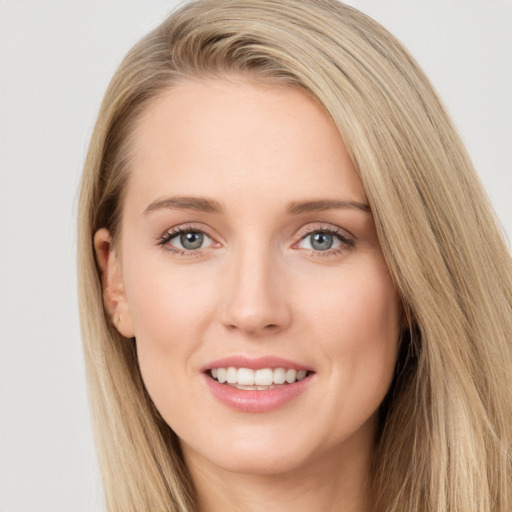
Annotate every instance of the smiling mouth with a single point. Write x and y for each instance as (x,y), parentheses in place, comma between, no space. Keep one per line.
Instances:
(262,379)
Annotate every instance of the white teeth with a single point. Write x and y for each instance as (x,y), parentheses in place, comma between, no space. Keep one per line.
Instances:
(300,374)
(264,378)
(291,376)
(253,388)
(231,375)
(279,376)
(239,386)
(245,376)
(222,375)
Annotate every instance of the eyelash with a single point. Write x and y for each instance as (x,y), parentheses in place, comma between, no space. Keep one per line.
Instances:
(347,240)
(173,233)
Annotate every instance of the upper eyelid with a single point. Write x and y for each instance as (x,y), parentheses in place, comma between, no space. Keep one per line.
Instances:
(330,228)
(181,228)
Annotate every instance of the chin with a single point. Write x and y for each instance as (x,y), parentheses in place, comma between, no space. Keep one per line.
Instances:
(263,464)
(250,452)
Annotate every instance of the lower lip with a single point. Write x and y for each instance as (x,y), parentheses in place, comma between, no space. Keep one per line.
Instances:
(253,400)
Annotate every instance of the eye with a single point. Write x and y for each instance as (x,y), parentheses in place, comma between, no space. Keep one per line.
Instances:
(191,240)
(320,241)
(325,240)
(183,240)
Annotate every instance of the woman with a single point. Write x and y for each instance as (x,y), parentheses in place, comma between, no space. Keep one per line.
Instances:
(293,290)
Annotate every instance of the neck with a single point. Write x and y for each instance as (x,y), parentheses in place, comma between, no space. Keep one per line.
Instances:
(336,482)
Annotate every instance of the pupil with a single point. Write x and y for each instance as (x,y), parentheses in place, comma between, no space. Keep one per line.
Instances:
(191,240)
(321,241)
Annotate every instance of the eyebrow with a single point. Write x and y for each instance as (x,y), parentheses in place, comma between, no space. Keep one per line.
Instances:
(200,204)
(203,204)
(298,207)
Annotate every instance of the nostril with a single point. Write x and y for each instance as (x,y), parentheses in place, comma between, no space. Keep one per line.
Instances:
(250,326)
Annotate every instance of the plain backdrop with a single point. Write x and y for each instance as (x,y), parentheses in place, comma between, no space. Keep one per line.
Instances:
(56,58)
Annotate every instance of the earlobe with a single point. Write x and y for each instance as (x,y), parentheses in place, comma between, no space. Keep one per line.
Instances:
(114,296)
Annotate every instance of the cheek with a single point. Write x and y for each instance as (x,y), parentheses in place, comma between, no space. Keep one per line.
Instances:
(168,307)
(167,301)
(359,307)
(358,327)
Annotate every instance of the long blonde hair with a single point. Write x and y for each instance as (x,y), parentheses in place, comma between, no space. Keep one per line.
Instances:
(445,442)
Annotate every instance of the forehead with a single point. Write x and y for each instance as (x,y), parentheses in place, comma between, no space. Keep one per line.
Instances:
(222,137)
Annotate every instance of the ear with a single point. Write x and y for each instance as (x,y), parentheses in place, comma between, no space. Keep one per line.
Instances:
(114,296)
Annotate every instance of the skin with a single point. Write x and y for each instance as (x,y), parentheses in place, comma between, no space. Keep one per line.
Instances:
(258,288)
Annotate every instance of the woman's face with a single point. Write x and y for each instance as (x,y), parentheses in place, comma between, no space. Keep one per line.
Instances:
(247,243)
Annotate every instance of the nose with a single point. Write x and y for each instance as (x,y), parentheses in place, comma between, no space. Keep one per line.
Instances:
(256,300)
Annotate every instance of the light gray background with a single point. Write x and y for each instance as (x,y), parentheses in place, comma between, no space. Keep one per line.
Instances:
(56,58)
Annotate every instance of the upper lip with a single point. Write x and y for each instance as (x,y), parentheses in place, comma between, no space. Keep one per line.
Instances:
(254,363)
